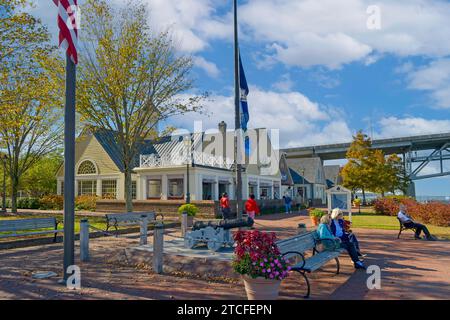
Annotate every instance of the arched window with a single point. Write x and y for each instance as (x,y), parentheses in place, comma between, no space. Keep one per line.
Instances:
(87,167)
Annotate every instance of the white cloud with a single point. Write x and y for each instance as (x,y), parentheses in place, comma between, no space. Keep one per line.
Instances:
(192,22)
(301,121)
(285,83)
(391,127)
(209,67)
(433,78)
(333,33)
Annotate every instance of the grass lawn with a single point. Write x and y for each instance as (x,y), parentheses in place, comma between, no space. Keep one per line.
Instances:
(369,220)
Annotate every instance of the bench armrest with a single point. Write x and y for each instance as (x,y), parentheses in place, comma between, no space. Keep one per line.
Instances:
(297,253)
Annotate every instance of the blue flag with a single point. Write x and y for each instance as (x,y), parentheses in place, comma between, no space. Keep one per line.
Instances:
(245,117)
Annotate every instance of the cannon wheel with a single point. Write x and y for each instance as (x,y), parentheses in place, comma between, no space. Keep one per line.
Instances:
(214,245)
(189,243)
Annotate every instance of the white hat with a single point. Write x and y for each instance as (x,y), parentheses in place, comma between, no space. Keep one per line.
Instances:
(335,213)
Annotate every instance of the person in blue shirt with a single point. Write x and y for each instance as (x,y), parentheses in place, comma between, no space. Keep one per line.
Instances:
(324,232)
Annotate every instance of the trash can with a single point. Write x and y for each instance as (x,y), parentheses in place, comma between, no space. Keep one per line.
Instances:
(301,228)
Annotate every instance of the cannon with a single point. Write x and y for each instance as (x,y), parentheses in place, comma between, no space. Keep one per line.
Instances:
(214,234)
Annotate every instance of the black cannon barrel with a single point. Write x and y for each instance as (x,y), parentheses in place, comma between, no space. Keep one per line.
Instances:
(225,224)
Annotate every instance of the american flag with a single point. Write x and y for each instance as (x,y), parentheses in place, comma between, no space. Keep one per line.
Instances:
(68,28)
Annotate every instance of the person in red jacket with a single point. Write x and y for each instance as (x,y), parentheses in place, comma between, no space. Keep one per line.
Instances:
(251,207)
(225,206)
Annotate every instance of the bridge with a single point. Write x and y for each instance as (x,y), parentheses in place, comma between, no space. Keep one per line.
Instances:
(437,147)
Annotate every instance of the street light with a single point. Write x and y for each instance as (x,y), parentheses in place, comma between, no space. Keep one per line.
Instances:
(4,157)
(188,143)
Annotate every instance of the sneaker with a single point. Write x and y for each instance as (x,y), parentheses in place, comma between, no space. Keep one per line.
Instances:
(431,238)
(361,255)
(360,265)
(417,238)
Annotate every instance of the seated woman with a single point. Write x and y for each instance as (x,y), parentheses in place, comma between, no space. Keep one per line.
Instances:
(324,233)
(341,229)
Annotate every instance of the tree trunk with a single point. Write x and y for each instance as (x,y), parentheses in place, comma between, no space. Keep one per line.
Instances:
(14,192)
(128,190)
(364,197)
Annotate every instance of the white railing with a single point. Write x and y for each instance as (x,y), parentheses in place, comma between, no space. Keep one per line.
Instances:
(171,160)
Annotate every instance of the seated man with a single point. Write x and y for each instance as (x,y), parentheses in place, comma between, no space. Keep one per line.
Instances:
(408,222)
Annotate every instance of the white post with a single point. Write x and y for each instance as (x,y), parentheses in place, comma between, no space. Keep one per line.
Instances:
(158,242)
(84,240)
(184,224)
(143,231)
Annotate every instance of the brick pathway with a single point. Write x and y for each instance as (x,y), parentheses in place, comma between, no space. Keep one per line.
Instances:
(410,270)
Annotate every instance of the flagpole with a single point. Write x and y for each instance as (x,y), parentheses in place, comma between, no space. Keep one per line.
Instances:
(69,167)
(237,122)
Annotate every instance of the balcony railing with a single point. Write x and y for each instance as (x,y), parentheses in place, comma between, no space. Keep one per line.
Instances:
(173,160)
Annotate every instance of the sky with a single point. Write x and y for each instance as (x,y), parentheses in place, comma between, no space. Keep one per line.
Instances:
(318,70)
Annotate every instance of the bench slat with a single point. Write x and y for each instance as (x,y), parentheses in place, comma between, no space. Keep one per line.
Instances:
(31,233)
(27,224)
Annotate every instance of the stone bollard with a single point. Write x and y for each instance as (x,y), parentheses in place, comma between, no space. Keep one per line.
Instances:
(158,243)
(144,230)
(84,240)
(184,224)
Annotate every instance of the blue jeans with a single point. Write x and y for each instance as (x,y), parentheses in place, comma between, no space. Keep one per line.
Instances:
(288,207)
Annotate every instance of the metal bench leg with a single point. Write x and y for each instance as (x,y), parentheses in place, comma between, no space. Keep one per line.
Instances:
(308,292)
(338,265)
(54,237)
(399,233)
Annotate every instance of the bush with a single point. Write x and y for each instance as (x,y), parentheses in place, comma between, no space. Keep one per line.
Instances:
(28,203)
(436,213)
(86,202)
(317,213)
(52,202)
(190,209)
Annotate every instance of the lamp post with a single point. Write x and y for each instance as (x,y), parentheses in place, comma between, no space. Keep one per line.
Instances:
(4,156)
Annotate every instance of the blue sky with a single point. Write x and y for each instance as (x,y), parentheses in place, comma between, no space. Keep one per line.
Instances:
(315,69)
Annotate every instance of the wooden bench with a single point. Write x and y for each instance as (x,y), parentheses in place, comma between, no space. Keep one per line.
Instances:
(14,226)
(295,248)
(130,218)
(402,227)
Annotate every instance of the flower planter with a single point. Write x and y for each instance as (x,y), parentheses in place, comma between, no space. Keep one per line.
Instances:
(314,221)
(261,288)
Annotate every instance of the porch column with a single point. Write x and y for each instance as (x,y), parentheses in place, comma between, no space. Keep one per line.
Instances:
(216,189)
(99,188)
(58,187)
(244,187)
(142,189)
(164,187)
(76,188)
(185,185)
(257,191)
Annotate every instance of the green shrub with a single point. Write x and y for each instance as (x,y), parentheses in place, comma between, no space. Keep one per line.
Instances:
(190,209)
(28,203)
(317,213)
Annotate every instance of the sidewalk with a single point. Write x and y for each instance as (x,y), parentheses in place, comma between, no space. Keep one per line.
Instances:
(410,270)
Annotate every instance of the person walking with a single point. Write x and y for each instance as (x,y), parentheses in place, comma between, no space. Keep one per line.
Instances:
(288,203)
(225,206)
(251,207)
